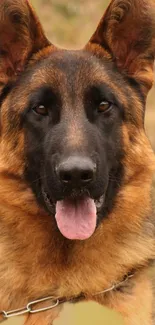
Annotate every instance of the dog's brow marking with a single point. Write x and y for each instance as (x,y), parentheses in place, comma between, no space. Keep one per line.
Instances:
(111,83)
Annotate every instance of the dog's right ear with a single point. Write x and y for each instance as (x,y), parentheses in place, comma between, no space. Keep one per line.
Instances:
(21,35)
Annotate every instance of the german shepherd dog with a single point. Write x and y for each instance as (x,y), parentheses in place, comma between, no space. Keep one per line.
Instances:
(76,167)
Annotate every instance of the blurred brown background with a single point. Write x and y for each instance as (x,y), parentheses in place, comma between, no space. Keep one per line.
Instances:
(70,24)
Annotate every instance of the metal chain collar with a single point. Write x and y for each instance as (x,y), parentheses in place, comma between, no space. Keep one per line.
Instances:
(32,309)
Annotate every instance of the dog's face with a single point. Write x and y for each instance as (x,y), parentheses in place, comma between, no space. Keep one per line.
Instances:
(72,123)
(71,120)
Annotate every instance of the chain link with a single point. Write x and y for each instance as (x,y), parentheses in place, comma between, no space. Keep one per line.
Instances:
(30,308)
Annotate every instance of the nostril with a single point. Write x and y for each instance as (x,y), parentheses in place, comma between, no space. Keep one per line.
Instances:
(65,176)
(87,176)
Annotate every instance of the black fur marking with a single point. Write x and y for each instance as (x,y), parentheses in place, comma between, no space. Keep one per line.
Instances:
(115,182)
(6,90)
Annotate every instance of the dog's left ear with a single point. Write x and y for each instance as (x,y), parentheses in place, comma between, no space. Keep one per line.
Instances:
(126,35)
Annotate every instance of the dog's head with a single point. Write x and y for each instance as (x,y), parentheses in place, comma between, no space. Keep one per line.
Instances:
(72,122)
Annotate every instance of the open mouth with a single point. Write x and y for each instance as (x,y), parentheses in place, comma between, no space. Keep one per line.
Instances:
(76,218)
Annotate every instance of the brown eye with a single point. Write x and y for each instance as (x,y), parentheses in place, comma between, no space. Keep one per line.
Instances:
(104,106)
(41,110)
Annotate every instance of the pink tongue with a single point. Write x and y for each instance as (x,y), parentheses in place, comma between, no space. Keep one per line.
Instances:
(76,219)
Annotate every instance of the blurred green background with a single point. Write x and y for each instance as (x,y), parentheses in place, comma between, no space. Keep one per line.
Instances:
(70,24)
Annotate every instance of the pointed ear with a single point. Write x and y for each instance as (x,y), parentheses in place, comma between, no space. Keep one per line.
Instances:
(126,35)
(21,36)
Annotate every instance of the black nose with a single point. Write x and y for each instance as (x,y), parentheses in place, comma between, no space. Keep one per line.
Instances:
(76,171)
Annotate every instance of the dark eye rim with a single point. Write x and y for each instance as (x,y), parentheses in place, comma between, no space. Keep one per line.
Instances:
(108,106)
(43,113)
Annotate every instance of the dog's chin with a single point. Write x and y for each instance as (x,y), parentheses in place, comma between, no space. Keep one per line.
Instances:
(76,216)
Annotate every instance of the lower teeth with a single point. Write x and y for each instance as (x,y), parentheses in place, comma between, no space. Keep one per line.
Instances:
(99,202)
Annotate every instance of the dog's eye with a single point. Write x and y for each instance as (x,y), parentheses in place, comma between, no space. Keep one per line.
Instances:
(104,106)
(41,110)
